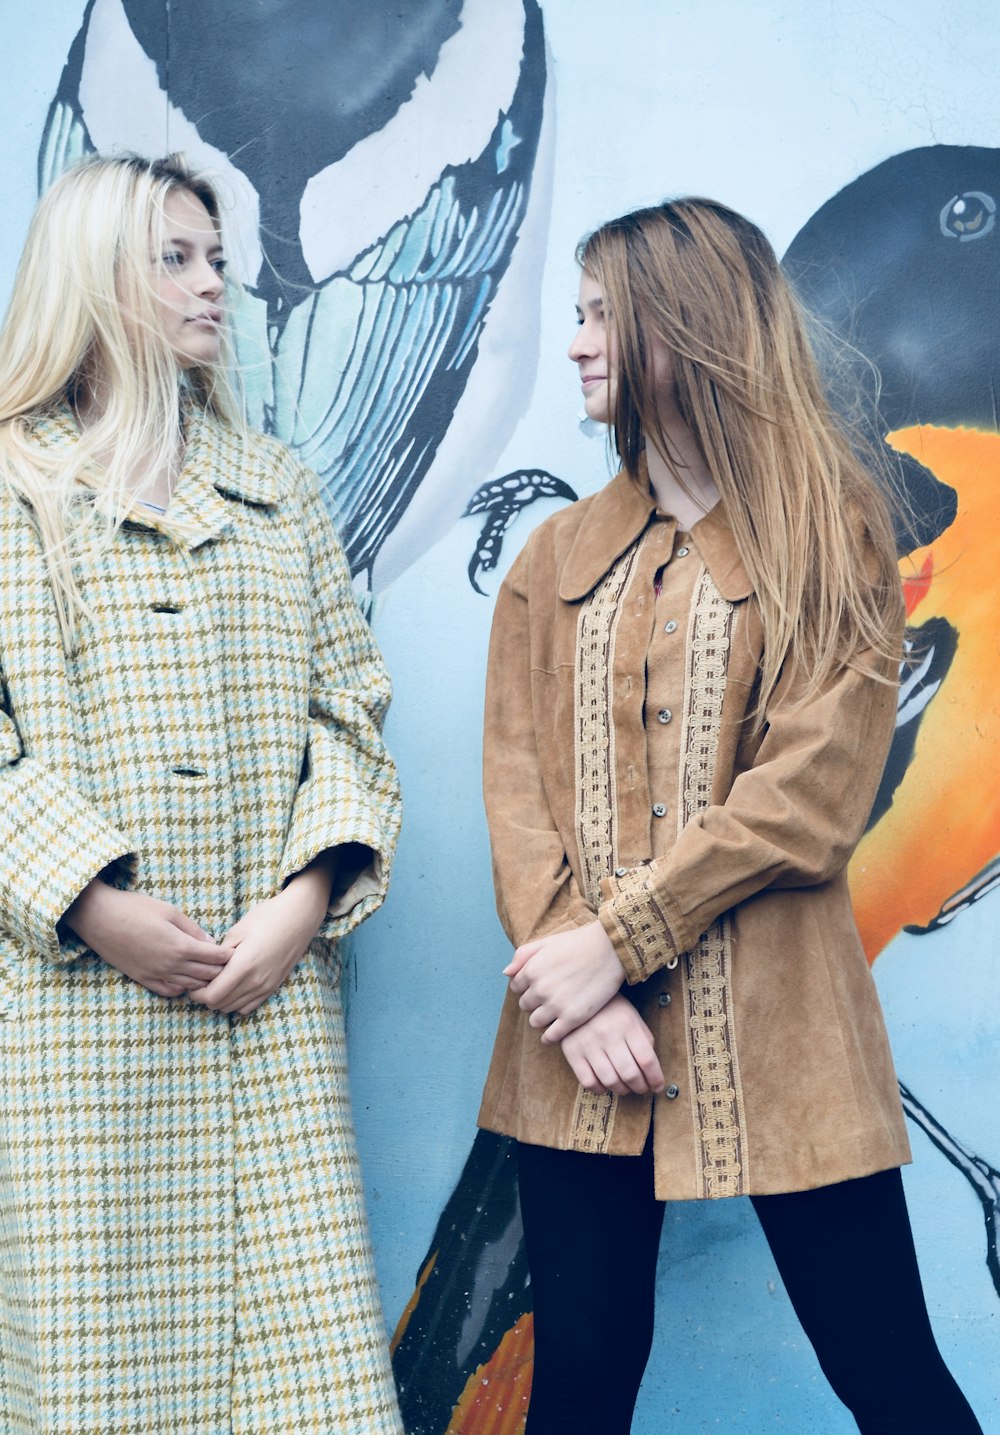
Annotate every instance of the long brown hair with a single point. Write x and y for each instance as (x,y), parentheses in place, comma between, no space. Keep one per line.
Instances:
(811,524)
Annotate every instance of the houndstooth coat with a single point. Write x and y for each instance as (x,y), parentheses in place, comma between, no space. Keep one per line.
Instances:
(183,1245)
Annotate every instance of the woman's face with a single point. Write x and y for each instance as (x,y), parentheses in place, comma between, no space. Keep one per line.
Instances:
(189,281)
(592,350)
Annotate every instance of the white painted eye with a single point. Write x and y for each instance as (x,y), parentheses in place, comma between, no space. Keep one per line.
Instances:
(971,215)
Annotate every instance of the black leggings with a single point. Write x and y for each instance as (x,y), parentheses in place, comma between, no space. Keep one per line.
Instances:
(845,1254)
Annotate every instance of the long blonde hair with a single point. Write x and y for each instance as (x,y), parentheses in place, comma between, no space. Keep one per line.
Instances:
(84,312)
(811,524)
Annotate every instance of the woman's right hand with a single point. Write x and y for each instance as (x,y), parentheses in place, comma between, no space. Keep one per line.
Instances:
(153,942)
(614,1051)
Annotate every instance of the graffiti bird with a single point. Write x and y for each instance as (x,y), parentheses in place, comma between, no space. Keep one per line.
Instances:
(380,159)
(902,267)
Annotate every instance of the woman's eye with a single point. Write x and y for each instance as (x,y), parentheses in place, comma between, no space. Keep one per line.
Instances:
(219,265)
(173,260)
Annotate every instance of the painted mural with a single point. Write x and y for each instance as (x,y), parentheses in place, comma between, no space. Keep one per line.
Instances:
(379,207)
(390,174)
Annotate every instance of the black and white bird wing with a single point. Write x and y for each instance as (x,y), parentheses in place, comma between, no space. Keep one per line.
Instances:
(371,367)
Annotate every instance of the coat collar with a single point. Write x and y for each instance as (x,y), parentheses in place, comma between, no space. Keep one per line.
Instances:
(617,517)
(220,465)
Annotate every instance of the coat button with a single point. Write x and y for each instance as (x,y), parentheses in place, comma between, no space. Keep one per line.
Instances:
(620,872)
(683,552)
(670,626)
(664,715)
(659,809)
(664,998)
(672,1092)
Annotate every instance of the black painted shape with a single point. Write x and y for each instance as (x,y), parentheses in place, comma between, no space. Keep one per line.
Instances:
(476,1291)
(985,881)
(502,499)
(287,87)
(930,650)
(67,96)
(881,265)
(982,1177)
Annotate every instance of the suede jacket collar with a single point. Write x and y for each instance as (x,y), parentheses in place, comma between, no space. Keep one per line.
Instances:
(615,519)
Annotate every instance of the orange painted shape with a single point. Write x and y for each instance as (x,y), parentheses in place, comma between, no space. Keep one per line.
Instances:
(944,823)
(411,1304)
(495,1398)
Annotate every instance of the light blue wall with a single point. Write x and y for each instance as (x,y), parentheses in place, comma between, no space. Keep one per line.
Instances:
(771,108)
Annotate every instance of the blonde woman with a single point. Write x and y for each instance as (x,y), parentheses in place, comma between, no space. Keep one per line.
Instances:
(691,695)
(196,806)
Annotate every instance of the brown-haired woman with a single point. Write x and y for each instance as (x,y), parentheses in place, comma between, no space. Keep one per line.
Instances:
(690,698)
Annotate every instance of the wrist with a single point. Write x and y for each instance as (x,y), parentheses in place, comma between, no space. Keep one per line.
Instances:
(85,913)
(308,891)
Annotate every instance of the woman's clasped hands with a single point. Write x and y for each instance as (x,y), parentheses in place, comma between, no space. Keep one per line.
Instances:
(570,983)
(161,948)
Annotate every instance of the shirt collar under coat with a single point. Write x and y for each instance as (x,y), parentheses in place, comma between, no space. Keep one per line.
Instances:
(615,519)
(218,467)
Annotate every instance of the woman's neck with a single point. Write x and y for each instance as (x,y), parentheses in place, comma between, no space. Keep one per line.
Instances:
(682,485)
(153,479)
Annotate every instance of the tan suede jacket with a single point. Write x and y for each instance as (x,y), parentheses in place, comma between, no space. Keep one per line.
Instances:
(731,916)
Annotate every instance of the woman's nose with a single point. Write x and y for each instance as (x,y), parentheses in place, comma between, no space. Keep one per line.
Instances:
(209,280)
(579,347)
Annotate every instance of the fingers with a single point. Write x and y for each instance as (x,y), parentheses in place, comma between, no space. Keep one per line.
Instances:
(647,1064)
(612,1052)
(521,955)
(198,974)
(582,1070)
(188,925)
(558,1029)
(218,993)
(208,953)
(241,987)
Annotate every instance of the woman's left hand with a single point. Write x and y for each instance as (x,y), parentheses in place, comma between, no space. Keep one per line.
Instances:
(269,940)
(564,979)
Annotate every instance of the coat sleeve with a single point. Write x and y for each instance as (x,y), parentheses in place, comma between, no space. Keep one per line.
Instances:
(52,842)
(349,795)
(536,890)
(792,819)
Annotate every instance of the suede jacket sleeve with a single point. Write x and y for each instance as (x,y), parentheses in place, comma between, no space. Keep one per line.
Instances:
(792,819)
(536,890)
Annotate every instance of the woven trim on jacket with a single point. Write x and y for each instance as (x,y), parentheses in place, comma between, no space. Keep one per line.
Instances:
(596,802)
(711,1048)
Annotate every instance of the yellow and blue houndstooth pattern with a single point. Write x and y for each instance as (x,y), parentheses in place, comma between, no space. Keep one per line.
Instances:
(183,1244)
